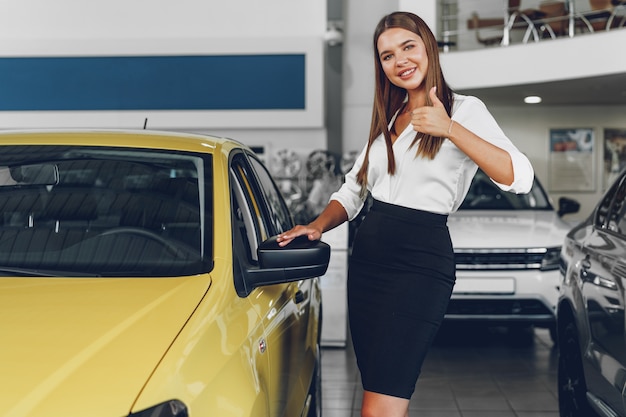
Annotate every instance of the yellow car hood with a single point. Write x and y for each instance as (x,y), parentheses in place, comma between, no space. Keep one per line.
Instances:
(71,347)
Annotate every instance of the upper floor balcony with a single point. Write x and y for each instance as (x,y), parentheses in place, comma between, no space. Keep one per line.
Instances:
(573,46)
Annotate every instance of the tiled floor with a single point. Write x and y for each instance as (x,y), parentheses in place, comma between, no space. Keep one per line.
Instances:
(471,371)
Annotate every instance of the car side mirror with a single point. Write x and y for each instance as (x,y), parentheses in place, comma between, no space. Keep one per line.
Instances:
(312,255)
(567,206)
(300,259)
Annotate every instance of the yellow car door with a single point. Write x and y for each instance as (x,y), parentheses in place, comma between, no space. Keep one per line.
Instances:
(290,333)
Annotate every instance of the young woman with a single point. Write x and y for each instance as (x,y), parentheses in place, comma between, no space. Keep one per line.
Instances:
(426,143)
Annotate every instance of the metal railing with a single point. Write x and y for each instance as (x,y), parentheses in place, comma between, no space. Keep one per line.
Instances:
(474,24)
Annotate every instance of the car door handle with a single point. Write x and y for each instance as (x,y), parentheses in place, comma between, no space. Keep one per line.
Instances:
(298,297)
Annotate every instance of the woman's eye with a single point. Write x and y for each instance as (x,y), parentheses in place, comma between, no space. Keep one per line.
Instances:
(386,57)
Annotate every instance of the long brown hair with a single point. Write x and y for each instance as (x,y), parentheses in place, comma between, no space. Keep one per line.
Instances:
(388,98)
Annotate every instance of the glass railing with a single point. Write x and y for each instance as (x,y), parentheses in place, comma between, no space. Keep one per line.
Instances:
(474,24)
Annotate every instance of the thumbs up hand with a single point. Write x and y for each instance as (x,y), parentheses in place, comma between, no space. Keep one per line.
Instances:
(432,120)
(433,97)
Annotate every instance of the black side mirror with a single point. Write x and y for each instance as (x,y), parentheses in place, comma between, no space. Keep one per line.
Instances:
(300,259)
(567,206)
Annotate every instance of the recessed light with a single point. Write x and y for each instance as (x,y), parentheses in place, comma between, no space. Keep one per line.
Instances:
(532,100)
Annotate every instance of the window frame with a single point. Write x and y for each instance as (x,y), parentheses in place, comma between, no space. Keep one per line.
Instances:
(617,209)
(604,210)
(250,211)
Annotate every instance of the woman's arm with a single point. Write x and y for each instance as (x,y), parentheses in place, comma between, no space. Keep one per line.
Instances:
(493,160)
(332,216)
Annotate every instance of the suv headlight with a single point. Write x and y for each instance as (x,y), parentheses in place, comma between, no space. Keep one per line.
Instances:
(550,260)
(171,408)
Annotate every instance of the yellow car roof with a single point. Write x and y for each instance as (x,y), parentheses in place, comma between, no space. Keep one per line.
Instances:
(124,138)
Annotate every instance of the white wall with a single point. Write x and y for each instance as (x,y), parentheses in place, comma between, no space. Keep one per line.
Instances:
(184,27)
(362,16)
(529,128)
(51,21)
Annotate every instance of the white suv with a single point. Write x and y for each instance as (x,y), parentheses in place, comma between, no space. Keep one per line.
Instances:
(507,249)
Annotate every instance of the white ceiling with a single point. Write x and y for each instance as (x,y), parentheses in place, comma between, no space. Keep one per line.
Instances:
(605,90)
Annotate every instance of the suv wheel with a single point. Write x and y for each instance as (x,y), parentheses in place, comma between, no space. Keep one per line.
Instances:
(571,379)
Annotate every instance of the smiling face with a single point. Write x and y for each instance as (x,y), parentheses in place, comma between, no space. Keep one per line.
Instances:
(403,58)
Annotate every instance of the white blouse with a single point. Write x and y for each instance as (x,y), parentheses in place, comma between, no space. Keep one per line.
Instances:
(438,185)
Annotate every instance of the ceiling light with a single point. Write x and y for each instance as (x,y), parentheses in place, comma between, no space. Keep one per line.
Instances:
(532,100)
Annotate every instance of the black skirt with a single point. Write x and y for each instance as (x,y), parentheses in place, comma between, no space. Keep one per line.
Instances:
(400,278)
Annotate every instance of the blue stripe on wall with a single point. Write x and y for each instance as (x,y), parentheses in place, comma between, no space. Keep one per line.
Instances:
(216,82)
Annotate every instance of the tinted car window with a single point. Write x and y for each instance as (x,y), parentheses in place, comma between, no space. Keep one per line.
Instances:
(483,194)
(73,210)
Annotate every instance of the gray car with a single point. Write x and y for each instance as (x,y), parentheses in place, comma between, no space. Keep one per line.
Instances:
(590,312)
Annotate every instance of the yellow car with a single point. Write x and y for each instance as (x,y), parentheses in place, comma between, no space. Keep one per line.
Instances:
(139,276)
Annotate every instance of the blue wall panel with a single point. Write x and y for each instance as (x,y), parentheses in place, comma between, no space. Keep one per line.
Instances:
(216,82)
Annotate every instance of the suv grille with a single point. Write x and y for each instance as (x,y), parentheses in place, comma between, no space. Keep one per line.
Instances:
(494,308)
(499,259)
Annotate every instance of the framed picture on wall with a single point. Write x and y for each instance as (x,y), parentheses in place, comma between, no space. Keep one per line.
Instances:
(614,154)
(572,159)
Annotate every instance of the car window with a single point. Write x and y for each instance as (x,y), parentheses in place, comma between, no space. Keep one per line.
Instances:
(483,194)
(103,211)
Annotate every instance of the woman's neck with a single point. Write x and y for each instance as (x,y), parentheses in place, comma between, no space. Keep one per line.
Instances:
(415,100)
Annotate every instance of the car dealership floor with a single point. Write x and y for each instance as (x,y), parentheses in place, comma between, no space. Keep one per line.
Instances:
(471,371)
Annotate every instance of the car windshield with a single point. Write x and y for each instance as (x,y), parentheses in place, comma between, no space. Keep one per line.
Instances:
(103,211)
(483,194)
